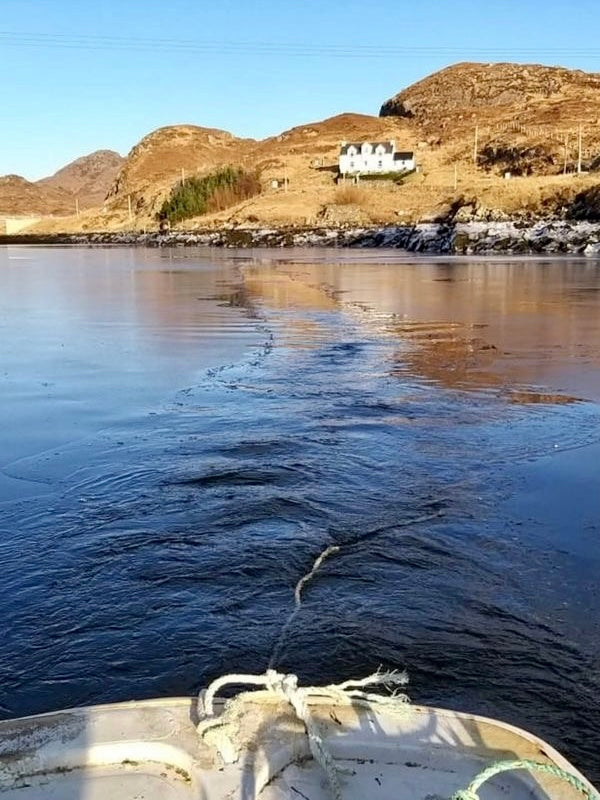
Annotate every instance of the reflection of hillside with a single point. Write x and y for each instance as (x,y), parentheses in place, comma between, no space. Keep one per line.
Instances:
(290,291)
(293,287)
(467,324)
(193,307)
(448,353)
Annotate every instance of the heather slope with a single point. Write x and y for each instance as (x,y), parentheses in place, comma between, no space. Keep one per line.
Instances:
(160,159)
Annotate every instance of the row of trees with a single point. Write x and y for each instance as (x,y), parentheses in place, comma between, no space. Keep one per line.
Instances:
(213,192)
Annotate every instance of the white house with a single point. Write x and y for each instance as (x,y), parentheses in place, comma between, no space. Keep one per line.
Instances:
(372,157)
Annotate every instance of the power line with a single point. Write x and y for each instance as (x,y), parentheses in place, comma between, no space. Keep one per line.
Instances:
(137,44)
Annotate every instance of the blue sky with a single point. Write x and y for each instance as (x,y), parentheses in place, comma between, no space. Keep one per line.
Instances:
(79,75)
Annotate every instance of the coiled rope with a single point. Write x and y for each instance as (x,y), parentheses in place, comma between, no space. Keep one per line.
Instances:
(286,687)
(471,792)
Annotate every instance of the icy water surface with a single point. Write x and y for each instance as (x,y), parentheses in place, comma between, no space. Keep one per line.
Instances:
(184,432)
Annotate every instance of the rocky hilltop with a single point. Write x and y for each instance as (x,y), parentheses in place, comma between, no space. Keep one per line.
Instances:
(161,158)
(530,93)
(524,114)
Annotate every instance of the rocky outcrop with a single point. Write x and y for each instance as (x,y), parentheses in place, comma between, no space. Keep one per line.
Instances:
(524,113)
(434,238)
(585,205)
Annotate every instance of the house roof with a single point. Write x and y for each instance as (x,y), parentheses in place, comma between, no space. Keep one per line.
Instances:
(406,156)
(388,146)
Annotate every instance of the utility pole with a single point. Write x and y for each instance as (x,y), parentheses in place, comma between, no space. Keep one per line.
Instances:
(579,151)
(285,180)
(182,175)
(476,144)
(129,207)
(455,177)
(566,150)
(77,207)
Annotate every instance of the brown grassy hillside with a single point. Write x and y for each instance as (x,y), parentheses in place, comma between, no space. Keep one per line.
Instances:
(523,115)
(157,161)
(88,179)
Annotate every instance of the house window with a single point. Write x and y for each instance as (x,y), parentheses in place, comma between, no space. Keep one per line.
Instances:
(380,163)
(352,165)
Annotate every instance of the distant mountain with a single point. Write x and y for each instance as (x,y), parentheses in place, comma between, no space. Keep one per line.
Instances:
(19,196)
(87,179)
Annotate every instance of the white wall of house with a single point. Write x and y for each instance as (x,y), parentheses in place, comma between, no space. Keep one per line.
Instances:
(369,159)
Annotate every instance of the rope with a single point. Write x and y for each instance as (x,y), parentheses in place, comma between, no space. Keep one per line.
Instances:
(286,687)
(331,550)
(471,792)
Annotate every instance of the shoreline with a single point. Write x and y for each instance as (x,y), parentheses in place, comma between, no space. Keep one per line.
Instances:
(461,239)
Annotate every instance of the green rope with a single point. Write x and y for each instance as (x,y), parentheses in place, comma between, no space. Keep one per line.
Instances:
(470,793)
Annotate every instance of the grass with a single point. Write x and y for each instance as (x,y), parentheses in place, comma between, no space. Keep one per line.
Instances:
(349,195)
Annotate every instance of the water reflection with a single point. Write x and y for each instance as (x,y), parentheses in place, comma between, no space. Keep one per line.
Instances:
(214,420)
(94,338)
(463,324)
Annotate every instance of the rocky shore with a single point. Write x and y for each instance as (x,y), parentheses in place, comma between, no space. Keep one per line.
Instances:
(466,238)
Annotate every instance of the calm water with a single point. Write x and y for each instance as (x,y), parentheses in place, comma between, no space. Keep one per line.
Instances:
(184,432)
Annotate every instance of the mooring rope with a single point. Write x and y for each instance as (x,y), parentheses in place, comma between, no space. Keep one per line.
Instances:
(304,580)
(286,687)
(354,691)
(471,792)
(331,550)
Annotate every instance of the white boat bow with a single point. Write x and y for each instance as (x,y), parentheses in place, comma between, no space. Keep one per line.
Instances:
(281,741)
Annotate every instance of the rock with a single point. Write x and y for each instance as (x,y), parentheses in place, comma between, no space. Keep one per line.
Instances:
(585,205)
(469,238)
(466,213)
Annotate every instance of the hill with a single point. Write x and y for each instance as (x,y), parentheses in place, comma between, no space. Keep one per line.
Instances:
(157,161)
(19,196)
(89,177)
(305,156)
(469,125)
(524,114)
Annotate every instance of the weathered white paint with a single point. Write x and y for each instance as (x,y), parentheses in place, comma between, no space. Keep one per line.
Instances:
(373,157)
(152,749)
